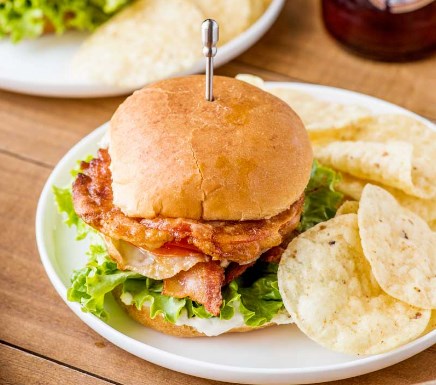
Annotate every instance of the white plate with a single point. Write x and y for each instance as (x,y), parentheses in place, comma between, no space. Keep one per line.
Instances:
(41,66)
(277,355)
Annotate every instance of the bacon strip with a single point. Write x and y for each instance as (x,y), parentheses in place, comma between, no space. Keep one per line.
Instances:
(202,283)
(234,270)
(273,255)
(239,241)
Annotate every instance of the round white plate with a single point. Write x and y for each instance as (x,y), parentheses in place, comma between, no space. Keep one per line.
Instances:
(276,355)
(41,66)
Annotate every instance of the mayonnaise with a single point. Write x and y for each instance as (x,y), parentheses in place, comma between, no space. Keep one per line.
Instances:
(211,326)
(215,326)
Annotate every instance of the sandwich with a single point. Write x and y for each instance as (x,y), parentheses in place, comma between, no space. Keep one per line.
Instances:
(194,203)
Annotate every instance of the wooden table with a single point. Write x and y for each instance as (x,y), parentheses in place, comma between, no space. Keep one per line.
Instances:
(41,340)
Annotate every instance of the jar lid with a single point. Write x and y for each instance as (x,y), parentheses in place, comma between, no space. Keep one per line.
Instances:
(400,6)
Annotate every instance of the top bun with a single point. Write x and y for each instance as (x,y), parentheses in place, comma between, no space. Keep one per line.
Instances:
(244,156)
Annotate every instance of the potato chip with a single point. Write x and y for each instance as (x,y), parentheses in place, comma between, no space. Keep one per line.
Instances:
(323,119)
(351,186)
(425,208)
(387,127)
(328,288)
(258,7)
(348,207)
(388,163)
(147,41)
(232,16)
(432,323)
(251,79)
(400,247)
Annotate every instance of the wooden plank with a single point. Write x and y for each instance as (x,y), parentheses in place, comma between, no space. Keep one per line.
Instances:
(415,370)
(43,129)
(298,46)
(33,316)
(18,368)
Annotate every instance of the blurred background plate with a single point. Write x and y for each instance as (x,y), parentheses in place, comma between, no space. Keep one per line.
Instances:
(277,355)
(41,66)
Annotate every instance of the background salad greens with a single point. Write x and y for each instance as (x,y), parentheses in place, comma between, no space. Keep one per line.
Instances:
(255,295)
(22,19)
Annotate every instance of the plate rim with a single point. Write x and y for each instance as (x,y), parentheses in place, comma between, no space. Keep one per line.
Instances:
(227,52)
(215,371)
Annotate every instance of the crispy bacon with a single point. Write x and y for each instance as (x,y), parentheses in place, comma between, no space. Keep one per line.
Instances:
(202,283)
(234,270)
(92,196)
(179,248)
(273,255)
(242,242)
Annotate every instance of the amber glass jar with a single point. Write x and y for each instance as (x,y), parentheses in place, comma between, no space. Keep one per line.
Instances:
(389,30)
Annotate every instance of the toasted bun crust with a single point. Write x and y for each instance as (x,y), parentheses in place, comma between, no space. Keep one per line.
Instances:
(246,155)
(158,323)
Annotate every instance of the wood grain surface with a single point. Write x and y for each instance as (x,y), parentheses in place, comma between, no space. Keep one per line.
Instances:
(41,340)
(18,367)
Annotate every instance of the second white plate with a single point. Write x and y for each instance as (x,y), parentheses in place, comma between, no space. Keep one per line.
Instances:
(41,66)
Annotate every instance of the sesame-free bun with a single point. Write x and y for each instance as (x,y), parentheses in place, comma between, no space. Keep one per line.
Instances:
(244,156)
(158,323)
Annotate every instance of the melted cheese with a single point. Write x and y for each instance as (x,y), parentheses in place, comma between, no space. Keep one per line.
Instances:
(215,326)
(149,264)
(211,326)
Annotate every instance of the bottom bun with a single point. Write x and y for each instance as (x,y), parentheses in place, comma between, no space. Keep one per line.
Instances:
(158,323)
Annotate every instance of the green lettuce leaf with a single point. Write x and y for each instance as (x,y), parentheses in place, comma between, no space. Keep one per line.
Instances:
(258,300)
(22,19)
(76,170)
(195,309)
(64,201)
(100,276)
(142,290)
(231,297)
(321,199)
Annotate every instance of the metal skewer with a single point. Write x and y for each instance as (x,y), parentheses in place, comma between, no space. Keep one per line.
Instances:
(209,36)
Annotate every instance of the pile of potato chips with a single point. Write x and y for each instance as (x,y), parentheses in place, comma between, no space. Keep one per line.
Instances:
(364,282)
(153,39)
